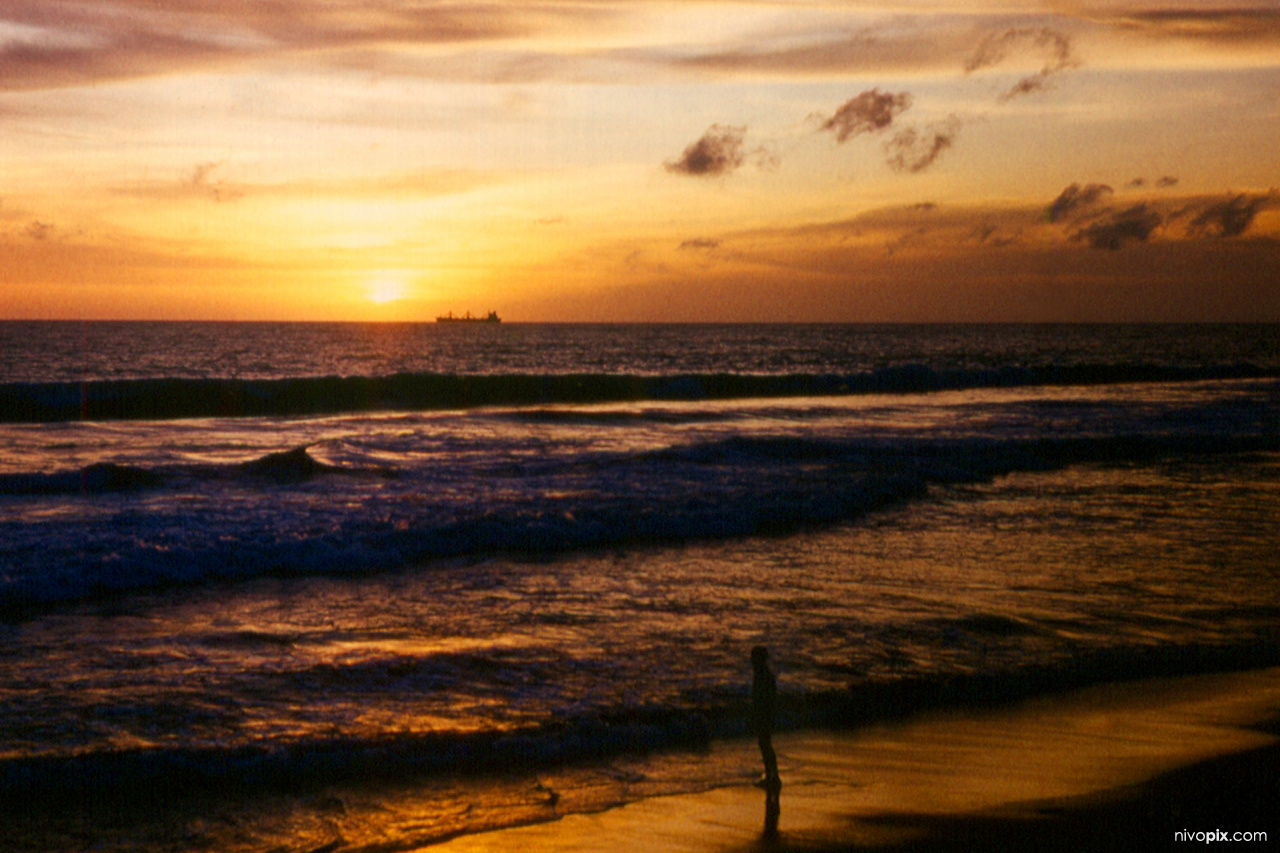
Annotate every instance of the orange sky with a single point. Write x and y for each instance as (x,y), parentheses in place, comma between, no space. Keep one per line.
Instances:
(632,160)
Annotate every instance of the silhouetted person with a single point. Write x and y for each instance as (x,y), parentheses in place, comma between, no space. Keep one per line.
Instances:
(764,718)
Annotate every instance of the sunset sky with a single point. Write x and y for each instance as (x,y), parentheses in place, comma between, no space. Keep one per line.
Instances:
(920,160)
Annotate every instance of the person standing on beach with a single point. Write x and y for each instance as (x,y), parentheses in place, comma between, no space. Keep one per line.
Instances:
(764,717)
(764,709)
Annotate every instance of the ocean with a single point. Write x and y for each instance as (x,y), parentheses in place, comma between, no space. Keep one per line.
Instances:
(367,587)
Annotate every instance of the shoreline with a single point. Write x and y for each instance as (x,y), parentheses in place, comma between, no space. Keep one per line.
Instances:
(1106,767)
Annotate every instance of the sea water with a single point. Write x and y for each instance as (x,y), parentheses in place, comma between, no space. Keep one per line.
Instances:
(348,586)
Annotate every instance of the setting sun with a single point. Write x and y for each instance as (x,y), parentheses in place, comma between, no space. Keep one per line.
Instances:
(386,287)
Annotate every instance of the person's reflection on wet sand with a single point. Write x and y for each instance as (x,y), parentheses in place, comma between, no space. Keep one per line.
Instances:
(764,717)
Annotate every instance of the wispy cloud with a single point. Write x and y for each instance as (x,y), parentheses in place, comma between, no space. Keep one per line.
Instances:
(717,152)
(199,183)
(913,150)
(1104,227)
(204,181)
(1116,229)
(991,230)
(699,244)
(1230,217)
(867,112)
(1076,197)
(720,151)
(38,230)
(51,44)
(1240,25)
(996,47)
(837,45)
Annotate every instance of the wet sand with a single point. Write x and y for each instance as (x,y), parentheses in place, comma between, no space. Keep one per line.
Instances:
(1121,766)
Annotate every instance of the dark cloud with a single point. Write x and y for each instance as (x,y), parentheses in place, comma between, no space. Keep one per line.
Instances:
(990,234)
(1074,198)
(1114,230)
(718,152)
(38,230)
(983,231)
(997,47)
(870,111)
(1025,86)
(1231,217)
(914,151)
(700,244)
(1163,182)
(1106,227)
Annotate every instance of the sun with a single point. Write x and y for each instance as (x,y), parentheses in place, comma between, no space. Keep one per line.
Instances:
(386,287)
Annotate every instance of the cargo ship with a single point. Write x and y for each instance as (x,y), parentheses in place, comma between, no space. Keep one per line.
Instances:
(491,317)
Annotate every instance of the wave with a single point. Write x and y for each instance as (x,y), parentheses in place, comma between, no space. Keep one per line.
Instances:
(92,479)
(308,765)
(160,399)
(287,466)
(723,488)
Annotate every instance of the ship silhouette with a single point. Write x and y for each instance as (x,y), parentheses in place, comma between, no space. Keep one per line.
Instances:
(491,317)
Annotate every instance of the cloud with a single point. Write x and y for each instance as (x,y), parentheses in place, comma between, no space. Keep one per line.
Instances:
(914,151)
(1239,26)
(868,112)
(69,44)
(1132,224)
(201,184)
(720,151)
(1231,217)
(1076,197)
(700,244)
(818,41)
(1023,227)
(1025,86)
(995,48)
(38,230)
(910,149)
(1187,219)
(1163,182)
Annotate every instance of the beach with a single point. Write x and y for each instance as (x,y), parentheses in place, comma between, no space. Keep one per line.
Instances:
(1118,766)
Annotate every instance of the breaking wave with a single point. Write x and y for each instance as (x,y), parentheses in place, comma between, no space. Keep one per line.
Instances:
(724,488)
(159,399)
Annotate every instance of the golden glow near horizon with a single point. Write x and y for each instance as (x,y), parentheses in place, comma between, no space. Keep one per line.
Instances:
(610,160)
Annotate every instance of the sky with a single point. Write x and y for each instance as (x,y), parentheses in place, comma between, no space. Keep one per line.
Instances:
(636,160)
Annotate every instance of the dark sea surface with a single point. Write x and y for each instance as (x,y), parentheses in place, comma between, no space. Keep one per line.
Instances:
(342,586)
